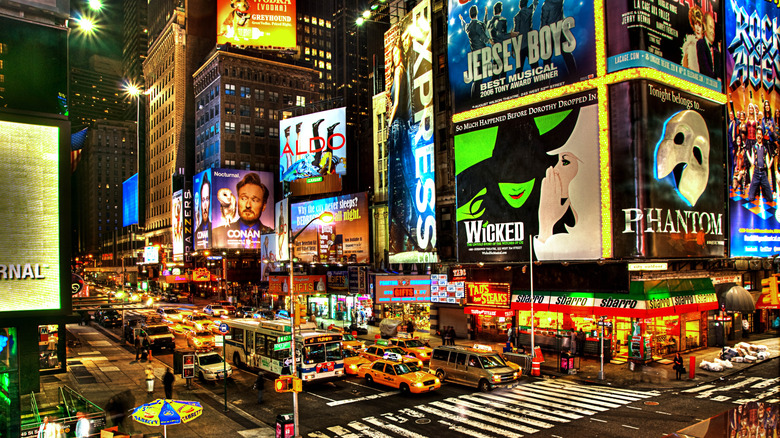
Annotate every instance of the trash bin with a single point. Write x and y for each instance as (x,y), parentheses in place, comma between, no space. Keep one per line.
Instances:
(285,426)
(565,364)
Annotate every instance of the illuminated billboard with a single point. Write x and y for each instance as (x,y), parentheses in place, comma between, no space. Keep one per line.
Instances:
(754,101)
(530,171)
(267,255)
(32,268)
(177,225)
(345,240)
(667,172)
(313,145)
(282,216)
(488,294)
(403,289)
(240,215)
(266,24)
(680,38)
(130,201)
(502,50)
(410,145)
(201,184)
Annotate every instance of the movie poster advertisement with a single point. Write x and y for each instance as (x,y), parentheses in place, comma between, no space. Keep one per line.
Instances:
(531,171)
(313,145)
(501,50)
(411,177)
(240,214)
(343,240)
(177,225)
(667,172)
(201,185)
(682,38)
(265,24)
(267,255)
(752,82)
(282,216)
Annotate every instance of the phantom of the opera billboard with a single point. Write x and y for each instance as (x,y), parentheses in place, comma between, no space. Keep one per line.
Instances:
(531,171)
(282,216)
(344,240)
(503,50)
(177,225)
(266,24)
(682,38)
(267,255)
(411,171)
(753,82)
(667,172)
(201,186)
(313,145)
(240,213)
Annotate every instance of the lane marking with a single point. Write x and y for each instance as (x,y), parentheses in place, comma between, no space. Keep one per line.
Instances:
(513,417)
(479,425)
(596,419)
(698,388)
(360,399)
(320,396)
(662,412)
(634,407)
(630,427)
(367,431)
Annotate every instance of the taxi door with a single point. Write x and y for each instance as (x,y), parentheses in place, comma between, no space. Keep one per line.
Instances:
(389,376)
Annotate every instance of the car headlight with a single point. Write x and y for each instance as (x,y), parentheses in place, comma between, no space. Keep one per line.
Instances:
(353,367)
(423,354)
(515,375)
(436,380)
(418,384)
(496,378)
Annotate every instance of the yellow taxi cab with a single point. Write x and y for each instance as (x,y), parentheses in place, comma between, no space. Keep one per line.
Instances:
(383,347)
(200,339)
(414,347)
(353,360)
(348,340)
(395,373)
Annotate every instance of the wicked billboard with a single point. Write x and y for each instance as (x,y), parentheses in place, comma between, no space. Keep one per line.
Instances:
(679,37)
(667,172)
(503,50)
(241,214)
(531,171)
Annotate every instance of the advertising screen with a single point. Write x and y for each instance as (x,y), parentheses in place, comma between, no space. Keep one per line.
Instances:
(266,24)
(681,38)
(201,185)
(531,171)
(177,225)
(240,214)
(313,145)
(503,50)
(403,288)
(282,228)
(345,240)
(151,255)
(410,172)
(667,172)
(267,255)
(754,101)
(30,266)
(130,201)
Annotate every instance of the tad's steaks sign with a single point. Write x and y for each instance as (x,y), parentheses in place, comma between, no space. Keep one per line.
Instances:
(488,294)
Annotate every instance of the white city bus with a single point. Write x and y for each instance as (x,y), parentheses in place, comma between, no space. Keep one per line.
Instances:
(259,345)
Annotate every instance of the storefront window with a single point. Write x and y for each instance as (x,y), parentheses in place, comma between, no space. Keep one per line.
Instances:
(9,383)
(420,314)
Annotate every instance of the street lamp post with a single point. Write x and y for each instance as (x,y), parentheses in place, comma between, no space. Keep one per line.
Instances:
(326,217)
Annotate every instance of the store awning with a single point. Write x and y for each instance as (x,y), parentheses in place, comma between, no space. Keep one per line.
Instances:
(737,299)
(171,279)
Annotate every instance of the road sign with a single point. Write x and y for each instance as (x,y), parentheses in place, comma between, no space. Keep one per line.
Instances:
(604,323)
(285,338)
(281,346)
(223,328)
(219,340)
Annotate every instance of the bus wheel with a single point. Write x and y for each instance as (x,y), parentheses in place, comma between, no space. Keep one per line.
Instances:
(237,361)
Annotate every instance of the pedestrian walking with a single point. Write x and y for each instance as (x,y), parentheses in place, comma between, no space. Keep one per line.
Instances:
(445,335)
(168,380)
(48,429)
(259,386)
(82,426)
(149,381)
(147,347)
(410,328)
(451,335)
(581,342)
(678,365)
(138,347)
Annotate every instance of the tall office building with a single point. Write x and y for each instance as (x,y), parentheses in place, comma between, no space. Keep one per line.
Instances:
(317,44)
(96,93)
(135,39)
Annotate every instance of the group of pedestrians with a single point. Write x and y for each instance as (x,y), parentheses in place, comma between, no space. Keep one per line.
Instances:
(142,347)
(448,335)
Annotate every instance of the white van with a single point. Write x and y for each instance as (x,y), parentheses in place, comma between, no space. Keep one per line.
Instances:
(480,368)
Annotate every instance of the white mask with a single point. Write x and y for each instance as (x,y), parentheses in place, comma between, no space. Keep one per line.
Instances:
(686,142)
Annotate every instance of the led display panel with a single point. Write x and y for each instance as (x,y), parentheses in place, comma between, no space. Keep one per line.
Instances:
(502,50)
(531,171)
(240,215)
(201,185)
(266,24)
(681,38)
(177,225)
(130,201)
(667,172)
(313,145)
(411,170)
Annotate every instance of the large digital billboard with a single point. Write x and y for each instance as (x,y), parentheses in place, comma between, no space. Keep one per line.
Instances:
(266,24)
(667,172)
(345,240)
(530,171)
(502,50)
(752,78)
(411,169)
(282,228)
(313,145)
(34,229)
(177,225)
(130,201)
(240,213)
(201,185)
(681,38)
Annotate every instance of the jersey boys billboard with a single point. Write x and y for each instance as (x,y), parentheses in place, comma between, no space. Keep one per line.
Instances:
(680,37)
(312,145)
(412,186)
(667,172)
(268,24)
(503,50)
(531,171)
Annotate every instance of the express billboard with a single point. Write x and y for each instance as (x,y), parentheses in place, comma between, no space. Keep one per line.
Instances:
(266,24)
(681,38)
(313,145)
(201,184)
(531,171)
(130,201)
(502,50)
(754,101)
(177,225)
(239,215)
(667,172)
(344,240)
(410,173)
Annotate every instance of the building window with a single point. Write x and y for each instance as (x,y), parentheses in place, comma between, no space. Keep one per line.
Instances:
(230,89)
(274,115)
(273,96)
(244,111)
(259,94)
(259,112)
(273,132)
(230,108)
(300,100)
(244,129)
(259,131)
(246,92)
(230,127)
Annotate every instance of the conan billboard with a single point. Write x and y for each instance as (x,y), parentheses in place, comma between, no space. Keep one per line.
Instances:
(266,24)
(240,213)
(313,145)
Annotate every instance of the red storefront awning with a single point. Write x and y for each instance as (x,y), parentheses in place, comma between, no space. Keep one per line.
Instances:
(505,313)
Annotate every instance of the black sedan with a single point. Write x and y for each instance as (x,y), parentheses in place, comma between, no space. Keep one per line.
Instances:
(108,317)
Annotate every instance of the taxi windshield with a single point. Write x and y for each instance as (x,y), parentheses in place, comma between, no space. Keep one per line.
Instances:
(414,343)
(395,350)
(348,352)
(402,368)
(492,361)
(201,334)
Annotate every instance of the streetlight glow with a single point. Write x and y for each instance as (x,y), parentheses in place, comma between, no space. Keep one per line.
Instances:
(95,5)
(359,21)
(366,14)
(86,24)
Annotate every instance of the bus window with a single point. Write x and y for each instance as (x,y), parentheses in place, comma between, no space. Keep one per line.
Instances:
(333,351)
(314,354)
(250,342)
(260,344)
(238,335)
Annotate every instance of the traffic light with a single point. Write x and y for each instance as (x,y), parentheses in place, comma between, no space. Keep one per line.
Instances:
(297,384)
(283,384)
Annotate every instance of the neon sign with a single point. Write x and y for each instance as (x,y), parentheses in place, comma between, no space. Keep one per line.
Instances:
(488,294)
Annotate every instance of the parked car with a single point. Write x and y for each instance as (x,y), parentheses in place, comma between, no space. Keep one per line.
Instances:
(227,305)
(211,366)
(215,310)
(245,312)
(108,317)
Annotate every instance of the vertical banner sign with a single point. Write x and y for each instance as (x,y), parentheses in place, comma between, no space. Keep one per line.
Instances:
(282,224)
(267,24)
(412,192)
(202,202)
(681,38)
(667,172)
(752,80)
(187,224)
(503,50)
(177,225)
(240,214)
(267,255)
(313,145)
(527,172)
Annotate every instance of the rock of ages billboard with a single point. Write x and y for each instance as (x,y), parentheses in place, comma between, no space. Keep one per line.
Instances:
(679,37)
(531,171)
(500,50)
(410,170)
(667,172)
(753,88)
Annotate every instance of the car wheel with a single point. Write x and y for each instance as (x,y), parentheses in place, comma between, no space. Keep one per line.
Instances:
(440,375)
(369,379)
(237,361)
(485,386)
(404,388)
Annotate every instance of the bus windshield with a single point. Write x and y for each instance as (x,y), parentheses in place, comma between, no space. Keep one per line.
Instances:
(317,353)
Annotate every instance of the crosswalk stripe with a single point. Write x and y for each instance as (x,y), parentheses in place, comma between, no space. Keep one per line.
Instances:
(480,426)
(549,401)
(526,412)
(342,432)
(597,392)
(558,395)
(698,388)
(508,416)
(603,389)
(367,431)
(766,383)
(318,434)
(393,428)
(464,430)
(582,393)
